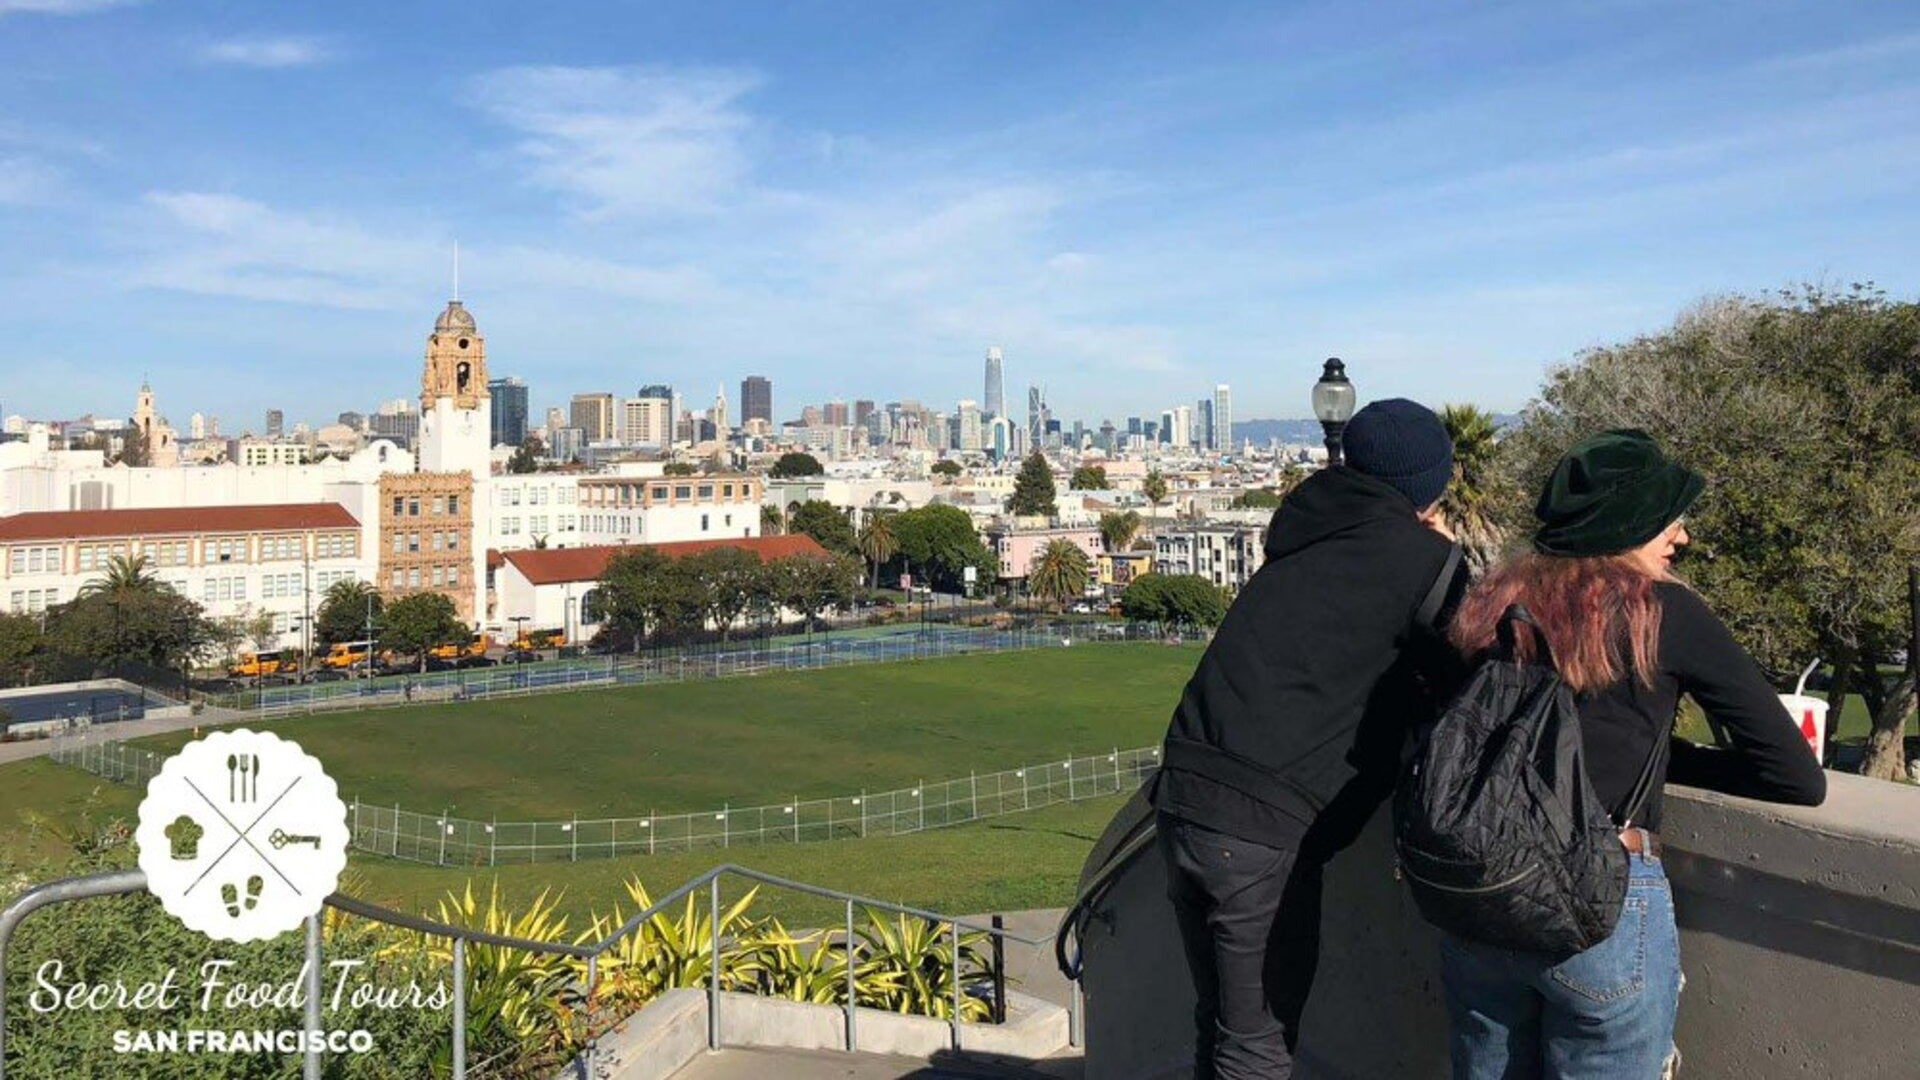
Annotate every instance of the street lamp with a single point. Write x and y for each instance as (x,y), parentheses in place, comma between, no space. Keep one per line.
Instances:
(1333,398)
(519,628)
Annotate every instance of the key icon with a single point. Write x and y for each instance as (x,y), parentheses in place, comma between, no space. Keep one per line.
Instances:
(281,839)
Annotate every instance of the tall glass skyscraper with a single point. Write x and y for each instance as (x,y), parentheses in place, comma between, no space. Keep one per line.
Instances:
(509,411)
(996,397)
(756,399)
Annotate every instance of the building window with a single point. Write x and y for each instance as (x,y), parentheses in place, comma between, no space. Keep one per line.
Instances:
(453,505)
(706,491)
(683,491)
(703,523)
(413,577)
(439,505)
(453,575)
(439,577)
(413,542)
(399,543)
(726,490)
(436,541)
(660,491)
(537,497)
(513,496)
(399,505)
(453,541)
(413,506)
(399,579)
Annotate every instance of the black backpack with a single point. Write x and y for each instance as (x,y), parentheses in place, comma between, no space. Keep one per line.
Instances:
(1496,826)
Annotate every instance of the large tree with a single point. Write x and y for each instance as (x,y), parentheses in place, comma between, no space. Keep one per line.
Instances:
(1059,573)
(1803,413)
(947,469)
(772,521)
(1089,478)
(526,457)
(142,623)
(417,622)
(726,579)
(631,594)
(1033,489)
(344,612)
(937,543)
(826,523)
(22,649)
(812,584)
(1174,600)
(793,463)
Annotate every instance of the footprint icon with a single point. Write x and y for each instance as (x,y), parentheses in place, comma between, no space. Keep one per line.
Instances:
(230,894)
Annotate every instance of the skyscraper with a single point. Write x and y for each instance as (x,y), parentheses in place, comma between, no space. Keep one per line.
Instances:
(756,399)
(1036,416)
(1223,418)
(593,415)
(276,423)
(509,411)
(996,391)
(837,414)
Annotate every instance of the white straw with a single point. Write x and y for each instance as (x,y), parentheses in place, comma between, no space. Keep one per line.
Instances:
(1801,689)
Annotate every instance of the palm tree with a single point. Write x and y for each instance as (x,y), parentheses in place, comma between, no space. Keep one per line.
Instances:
(1117,529)
(1154,487)
(124,575)
(876,542)
(1060,573)
(1470,500)
(772,521)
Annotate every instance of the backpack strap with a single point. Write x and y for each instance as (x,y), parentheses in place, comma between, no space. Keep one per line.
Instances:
(1643,787)
(1429,613)
(1507,634)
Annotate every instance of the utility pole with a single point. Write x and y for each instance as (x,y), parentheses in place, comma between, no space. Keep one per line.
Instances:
(369,635)
(306,594)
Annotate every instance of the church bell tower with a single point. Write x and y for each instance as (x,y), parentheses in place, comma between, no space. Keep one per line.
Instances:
(456,410)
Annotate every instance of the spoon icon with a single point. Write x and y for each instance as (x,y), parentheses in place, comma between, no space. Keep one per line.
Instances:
(233,762)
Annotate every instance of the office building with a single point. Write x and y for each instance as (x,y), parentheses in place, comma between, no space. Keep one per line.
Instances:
(995,397)
(1223,418)
(509,411)
(756,399)
(593,415)
(276,423)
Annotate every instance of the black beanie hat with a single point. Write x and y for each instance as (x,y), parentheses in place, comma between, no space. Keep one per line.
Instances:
(1612,492)
(1405,445)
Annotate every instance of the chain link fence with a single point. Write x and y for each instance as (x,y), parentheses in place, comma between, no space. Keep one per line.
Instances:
(442,840)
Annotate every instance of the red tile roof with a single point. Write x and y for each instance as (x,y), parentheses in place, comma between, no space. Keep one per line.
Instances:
(557,566)
(174,521)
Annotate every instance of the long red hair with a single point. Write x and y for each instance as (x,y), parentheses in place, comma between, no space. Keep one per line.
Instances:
(1600,615)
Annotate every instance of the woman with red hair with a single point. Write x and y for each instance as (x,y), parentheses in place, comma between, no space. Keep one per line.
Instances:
(1628,639)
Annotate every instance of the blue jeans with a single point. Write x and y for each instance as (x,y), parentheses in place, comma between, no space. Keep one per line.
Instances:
(1604,1014)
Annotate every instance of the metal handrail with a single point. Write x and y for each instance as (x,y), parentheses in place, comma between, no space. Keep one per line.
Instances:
(128,881)
(1071,922)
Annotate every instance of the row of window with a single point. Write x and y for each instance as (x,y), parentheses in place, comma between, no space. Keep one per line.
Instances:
(410,543)
(626,493)
(412,578)
(536,496)
(33,601)
(537,525)
(440,505)
(223,588)
(34,560)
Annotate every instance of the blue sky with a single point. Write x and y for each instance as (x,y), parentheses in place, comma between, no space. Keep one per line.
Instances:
(255,204)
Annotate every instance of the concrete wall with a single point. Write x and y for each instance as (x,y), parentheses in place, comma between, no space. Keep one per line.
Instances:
(1800,939)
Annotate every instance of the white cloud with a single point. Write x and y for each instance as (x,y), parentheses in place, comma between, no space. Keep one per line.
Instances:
(626,141)
(59,7)
(267,52)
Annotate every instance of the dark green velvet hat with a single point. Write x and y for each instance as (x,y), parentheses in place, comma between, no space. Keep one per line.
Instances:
(1610,493)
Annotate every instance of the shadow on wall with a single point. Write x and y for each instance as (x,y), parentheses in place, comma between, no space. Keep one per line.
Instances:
(1800,937)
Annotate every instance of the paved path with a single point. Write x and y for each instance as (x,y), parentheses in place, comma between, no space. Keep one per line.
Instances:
(831,1065)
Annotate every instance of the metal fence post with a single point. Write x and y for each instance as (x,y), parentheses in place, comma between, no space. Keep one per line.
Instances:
(310,1069)
(999,970)
(973,787)
(853,991)
(459,1008)
(587,1047)
(955,927)
(396,830)
(713,976)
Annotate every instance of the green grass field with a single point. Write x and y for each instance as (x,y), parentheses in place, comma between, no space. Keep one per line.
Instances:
(682,747)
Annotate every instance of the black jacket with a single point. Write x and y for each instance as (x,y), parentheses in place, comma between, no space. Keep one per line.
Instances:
(1318,672)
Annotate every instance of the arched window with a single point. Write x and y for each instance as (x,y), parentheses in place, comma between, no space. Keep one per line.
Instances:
(590,608)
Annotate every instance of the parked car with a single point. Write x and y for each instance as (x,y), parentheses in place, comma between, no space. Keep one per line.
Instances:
(520,656)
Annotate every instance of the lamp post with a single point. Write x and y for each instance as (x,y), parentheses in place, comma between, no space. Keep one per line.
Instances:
(306,648)
(1333,398)
(519,628)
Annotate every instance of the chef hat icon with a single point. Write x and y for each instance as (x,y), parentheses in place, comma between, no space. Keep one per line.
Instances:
(184,836)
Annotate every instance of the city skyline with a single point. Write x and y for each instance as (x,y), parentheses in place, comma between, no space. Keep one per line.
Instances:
(1452,201)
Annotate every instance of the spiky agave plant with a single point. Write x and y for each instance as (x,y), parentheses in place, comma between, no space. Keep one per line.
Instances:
(813,968)
(920,952)
(664,953)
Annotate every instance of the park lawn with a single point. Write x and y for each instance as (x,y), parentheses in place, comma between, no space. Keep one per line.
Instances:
(692,746)
(1012,863)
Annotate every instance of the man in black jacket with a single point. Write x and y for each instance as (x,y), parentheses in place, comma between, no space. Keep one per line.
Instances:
(1289,732)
